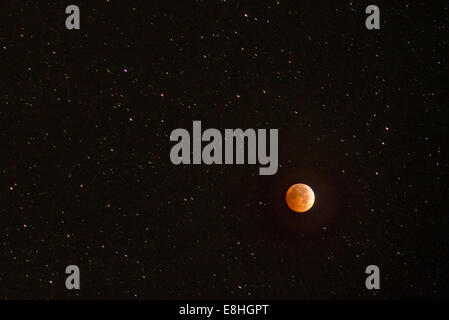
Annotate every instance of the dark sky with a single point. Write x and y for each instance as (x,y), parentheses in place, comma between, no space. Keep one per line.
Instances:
(86,178)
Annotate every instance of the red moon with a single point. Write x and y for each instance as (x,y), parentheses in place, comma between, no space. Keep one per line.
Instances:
(300,197)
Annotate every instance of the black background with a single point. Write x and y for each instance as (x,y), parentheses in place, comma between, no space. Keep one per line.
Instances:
(86,177)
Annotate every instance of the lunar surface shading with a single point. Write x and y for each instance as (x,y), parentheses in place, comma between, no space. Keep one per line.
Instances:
(300,197)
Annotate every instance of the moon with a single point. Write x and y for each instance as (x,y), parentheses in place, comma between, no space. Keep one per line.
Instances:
(300,197)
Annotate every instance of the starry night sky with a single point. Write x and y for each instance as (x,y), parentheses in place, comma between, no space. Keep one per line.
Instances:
(86,178)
